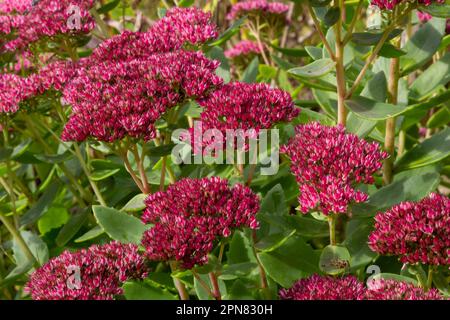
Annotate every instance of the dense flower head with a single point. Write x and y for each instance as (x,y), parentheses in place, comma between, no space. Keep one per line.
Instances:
(328,163)
(243,48)
(391,4)
(415,231)
(15,6)
(259,7)
(13,90)
(325,288)
(180,26)
(55,75)
(191,214)
(350,288)
(7,24)
(246,106)
(47,18)
(388,289)
(102,270)
(114,99)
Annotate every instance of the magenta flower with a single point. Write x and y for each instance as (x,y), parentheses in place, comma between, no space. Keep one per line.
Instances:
(328,163)
(179,27)
(390,4)
(47,18)
(246,106)
(13,90)
(415,231)
(191,214)
(243,48)
(55,75)
(131,80)
(114,99)
(11,14)
(258,7)
(382,289)
(102,270)
(15,6)
(325,288)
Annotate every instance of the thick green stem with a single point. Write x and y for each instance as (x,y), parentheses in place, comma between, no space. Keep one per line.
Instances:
(162,179)
(203,283)
(251,173)
(431,270)
(178,284)
(130,170)
(140,164)
(221,251)
(215,286)
(389,141)
(332,228)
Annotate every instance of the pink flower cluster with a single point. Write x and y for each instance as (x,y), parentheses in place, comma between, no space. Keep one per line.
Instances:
(328,163)
(7,24)
(390,4)
(131,80)
(259,7)
(15,6)
(382,289)
(191,214)
(325,288)
(172,77)
(55,75)
(180,26)
(415,231)
(350,288)
(46,18)
(243,48)
(15,89)
(117,98)
(246,106)
(102,270)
